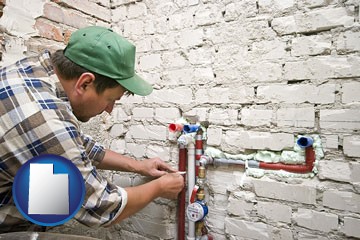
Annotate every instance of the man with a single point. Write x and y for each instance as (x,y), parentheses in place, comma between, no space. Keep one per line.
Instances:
(41,100)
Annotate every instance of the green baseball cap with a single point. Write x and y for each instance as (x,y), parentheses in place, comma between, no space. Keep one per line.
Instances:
(105,52)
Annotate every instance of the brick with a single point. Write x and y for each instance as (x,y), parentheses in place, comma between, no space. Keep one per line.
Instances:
(255,117)
(247,229)
(159,151)
(313,3)
(315,220)
(137,10)
(322,67)
(174,59)
(264,72)
(122,2)
(239,207)
(181,20)
(216,219)
(89,8)
(296,117)
(273,49)
(243,9)
(119,115)
(147,132)
(225,116)
(207,14)
(117,130)
(216,180)
(156,212)
(199,112)
(150,62)
(167,115)
(48,30)
(317,20)
(214,136)
(198,75)
(341,200)
(282,234)
(201,56)
(179,95)
(190,38)
(133,27)
(275,212)
(275,5)
(143,113)
(351,227)
(153,228)
(355,172)
(119,14)
(224,95)
(122,180)
(65,16)
(311,45)
(350,92)
(288,192)
(348,42)
(330,142)
(118,145)
(335,170)
(297,93)
(259,140)
(248,30)
(340,119)
(137,150)
(352,145)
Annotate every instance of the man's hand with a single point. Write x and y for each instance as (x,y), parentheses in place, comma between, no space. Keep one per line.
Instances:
(171,185)
(155,167)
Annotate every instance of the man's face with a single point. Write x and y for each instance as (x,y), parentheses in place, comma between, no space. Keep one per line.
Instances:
(92,103)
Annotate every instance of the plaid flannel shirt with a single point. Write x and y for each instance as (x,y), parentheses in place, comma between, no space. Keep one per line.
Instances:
(36,118)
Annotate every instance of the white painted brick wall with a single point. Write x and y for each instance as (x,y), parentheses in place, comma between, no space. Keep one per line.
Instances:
(297,93)
(351,227)
(246,229)
(296,117)
(261,72)
(142,113)
(214,136)
(340,119)
(288,192)
(352,146)
(259,140)
(311,45)
(256,117)
(335,170)
(342,200)
(274,211)
(314,21)
(321,221)
(350,92)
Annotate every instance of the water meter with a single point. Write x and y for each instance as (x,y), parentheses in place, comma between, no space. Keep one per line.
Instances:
(196,211)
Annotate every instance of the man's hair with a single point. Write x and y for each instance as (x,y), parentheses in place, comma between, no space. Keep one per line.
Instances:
(67,69)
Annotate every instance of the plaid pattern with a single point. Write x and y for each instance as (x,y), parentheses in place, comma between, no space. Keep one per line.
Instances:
(35,119)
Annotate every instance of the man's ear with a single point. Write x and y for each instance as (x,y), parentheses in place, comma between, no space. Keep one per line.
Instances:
(84,81)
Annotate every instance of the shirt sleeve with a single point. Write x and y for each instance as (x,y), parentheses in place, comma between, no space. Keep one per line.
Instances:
(103,201)
(94,150)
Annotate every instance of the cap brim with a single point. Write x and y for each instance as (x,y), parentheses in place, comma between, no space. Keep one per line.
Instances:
(137,85)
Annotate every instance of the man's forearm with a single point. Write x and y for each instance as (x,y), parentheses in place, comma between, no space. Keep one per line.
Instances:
(118,162)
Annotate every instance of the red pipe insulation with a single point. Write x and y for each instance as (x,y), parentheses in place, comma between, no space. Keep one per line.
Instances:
(198,150)
(309,163)
(182,195)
